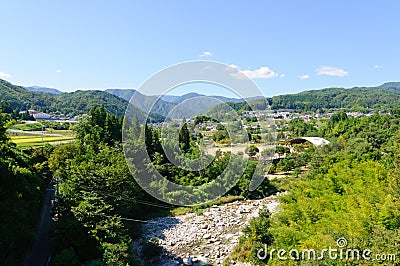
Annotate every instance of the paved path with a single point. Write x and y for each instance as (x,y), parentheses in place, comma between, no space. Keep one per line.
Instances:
(41,248)
(17,131)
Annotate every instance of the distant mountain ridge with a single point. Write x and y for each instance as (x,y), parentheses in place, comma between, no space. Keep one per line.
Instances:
(146,103)
(186,105)
(44,90)
(381,97)
(390,86)
(179,99)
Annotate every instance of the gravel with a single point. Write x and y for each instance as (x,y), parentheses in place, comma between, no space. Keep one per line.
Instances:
(208,238)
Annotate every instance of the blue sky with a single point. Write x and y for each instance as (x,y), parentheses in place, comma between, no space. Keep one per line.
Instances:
(286,46)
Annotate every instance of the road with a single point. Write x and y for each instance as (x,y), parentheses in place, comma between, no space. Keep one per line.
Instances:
(17,131)
(41,248)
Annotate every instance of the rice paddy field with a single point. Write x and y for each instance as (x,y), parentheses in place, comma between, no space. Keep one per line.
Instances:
(36,140)
(30,134)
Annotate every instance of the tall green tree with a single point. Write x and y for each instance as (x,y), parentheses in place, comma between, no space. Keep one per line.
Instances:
(184,138)
(3,136)
(20,193)
(135,127)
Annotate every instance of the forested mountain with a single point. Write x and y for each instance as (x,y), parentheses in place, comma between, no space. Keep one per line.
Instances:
(380,98)
(75,103)
(43,90)
(20,98)
(390,86)
(122,93)
(187,105)
(84,101)
(383,97)
(179,99)
(257,104)
(192,104)
(146,103)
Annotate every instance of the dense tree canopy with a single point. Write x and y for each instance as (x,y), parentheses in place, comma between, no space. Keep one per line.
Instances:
(351,191)
(23,178)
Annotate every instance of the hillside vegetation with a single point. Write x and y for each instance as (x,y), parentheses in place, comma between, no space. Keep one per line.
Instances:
(382,98)
(351,191)
(75,103)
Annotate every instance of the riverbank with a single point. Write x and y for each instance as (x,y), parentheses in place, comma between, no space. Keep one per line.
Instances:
(207,238)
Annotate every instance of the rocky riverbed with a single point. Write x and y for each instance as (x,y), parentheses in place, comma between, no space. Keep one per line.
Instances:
(207,238)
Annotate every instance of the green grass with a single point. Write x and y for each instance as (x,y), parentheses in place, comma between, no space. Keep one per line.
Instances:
(27,127)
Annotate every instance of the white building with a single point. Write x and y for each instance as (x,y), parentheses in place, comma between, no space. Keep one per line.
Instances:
(41,116)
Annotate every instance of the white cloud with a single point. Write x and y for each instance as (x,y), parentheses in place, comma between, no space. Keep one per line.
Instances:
(331,71)
(4,75)
(303,76)
(206,53)
(282,75)
(58,71)
(378,67)
(233,66)
(260,73)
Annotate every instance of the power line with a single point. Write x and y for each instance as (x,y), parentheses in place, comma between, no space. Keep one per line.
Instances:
(132,220)
(128,199)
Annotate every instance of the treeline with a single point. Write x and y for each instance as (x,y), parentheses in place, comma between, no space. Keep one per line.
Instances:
(9,113)
(351,191)
(381,98)
(359,99)
(23,178)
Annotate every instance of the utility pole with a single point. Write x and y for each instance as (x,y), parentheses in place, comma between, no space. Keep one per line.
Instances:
(42,134)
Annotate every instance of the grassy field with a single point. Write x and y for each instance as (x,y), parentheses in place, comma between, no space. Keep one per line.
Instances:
(31,126)
(36,140)
(28,134)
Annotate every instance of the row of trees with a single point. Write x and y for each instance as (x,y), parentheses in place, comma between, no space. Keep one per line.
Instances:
(23,178)
(355,99)
(98,195)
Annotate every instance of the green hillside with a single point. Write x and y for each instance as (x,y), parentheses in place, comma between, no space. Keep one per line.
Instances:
(75,103)
(381,98)
(258,104)
(390,86)
(377,98)
(18,97)
(84,101)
